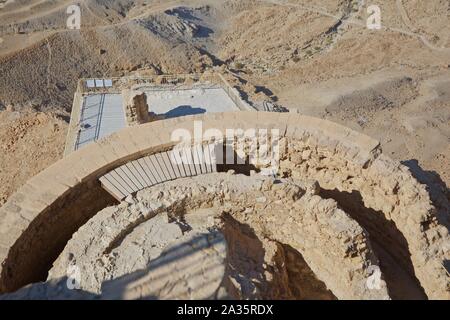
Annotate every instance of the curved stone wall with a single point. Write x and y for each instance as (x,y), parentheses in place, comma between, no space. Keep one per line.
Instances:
(37,221)
(257,217)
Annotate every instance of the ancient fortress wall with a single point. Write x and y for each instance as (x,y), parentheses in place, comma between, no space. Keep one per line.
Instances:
(377,192)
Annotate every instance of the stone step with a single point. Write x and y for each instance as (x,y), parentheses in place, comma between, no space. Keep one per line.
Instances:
(112,188)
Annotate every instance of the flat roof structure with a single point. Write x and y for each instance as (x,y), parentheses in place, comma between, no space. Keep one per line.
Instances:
(98,109)
(177,103)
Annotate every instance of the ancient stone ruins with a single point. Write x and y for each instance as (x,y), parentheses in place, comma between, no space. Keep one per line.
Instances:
(119,219)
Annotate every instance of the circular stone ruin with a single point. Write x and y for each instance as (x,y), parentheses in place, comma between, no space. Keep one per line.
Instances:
(339,221)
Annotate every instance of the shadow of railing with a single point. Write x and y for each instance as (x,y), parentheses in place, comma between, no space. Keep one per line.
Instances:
(55,289)
(193,269)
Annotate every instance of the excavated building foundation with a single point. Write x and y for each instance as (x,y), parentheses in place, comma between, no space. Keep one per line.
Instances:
(340,220)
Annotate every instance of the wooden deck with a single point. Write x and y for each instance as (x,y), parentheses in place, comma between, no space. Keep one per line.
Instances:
(158,168)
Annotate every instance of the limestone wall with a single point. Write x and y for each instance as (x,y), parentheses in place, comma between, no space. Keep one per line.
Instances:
(387,201)
(135,107)
(256,211)
(44,213)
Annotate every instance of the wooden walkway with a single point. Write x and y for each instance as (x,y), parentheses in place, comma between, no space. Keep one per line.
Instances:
(159,168)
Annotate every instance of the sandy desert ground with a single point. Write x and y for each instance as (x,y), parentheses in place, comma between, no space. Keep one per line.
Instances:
(314,57)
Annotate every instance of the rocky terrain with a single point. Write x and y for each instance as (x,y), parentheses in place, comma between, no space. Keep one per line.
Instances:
(30,141)
(316,58)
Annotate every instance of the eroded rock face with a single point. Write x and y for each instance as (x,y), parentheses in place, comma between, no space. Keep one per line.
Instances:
(362,217)
(409,224)
(262,223)
(189,268)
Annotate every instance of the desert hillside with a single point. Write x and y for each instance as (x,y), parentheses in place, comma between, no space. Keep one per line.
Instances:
(315,57)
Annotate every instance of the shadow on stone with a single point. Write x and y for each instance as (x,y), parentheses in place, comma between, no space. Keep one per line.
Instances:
(183,111)
(303,283)
(193,269)
(56,289)
(388,243)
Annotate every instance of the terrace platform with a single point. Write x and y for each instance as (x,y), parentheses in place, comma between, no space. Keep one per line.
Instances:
(98,110)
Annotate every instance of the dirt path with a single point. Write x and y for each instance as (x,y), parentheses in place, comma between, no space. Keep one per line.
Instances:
(49,64)
(355,22)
